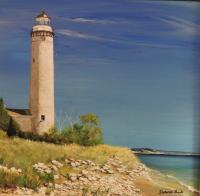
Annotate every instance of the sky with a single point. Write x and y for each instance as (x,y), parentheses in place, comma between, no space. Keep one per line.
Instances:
(133,63)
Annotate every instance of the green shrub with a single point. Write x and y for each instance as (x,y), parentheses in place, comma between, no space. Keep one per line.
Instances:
(46,177)
(8,179)
(3,134)
(87,132)
(4,117)
(48,190)
(12,179)
(29,181)
(7,123)
(13,127)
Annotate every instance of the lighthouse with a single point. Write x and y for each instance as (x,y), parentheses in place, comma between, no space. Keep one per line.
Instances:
(41,98)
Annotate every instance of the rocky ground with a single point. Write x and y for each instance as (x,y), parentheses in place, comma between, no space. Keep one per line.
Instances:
(84,177)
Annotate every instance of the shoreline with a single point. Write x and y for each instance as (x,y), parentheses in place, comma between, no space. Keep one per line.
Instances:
(148,151)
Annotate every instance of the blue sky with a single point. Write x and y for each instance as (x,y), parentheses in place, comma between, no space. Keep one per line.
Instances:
(130,62)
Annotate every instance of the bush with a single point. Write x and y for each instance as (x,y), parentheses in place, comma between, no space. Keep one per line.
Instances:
(29,181)
(13,127)
(86,132)
(8,179)
(3,134)
(7,123)
(11,179)
(4,117)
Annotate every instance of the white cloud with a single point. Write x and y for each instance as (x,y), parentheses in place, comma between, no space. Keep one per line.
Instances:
(85,20)
(182,25)
(76,34)
(91,21)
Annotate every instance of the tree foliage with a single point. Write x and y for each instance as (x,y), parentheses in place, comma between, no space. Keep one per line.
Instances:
(4,117)
(87,132)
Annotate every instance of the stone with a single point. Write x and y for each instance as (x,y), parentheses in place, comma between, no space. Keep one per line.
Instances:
(48,171)
(73,178)
(50,184)
(58,186)
(54,168)
(83,179)
(71,159)
(57,163)
(84,162)
(114,164)
(67,161)
(110,171)
(19,170)
(56,176)
(73,164)
(84,172)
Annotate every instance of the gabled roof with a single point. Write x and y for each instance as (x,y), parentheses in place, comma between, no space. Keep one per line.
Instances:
(19,111)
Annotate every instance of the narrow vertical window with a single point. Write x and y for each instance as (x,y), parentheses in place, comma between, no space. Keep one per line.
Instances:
(42,117)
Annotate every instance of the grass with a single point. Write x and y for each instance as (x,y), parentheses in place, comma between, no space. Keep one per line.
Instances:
(23,154)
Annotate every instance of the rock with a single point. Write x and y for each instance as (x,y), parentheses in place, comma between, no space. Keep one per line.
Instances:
(128,172)
(84,162)
(50,185)
(54,168)
(48,171)
(110,171)
(91,178)
(57,163)
(96,168)
(92,164)
(67,161)
(83,179)
(12,169)
(120,170)
(77,163)
(56,176)
(19,170)
(73,164)
(58,186)
(84,172)
(73,178)
(114,164)
(137,190)
(72,175)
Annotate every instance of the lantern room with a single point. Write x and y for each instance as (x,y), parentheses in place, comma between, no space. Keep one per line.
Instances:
(43,19)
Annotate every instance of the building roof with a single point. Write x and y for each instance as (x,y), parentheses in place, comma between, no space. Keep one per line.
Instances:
(19,111)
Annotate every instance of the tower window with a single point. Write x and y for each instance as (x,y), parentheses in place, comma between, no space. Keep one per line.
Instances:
(42,117)
(33,60)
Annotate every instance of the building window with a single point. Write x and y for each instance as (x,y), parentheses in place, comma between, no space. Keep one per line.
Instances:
(42,117)
(33,60)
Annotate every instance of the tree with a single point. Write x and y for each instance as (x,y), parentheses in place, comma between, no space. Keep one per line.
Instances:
(86,132)
(90,119)
(13,127)
(4,117)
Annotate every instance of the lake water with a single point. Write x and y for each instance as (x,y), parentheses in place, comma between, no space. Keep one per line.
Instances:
(184,168)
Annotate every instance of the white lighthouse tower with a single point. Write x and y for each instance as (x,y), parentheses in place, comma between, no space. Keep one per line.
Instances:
(41,100)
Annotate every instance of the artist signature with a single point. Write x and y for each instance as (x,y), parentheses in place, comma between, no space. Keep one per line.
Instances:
(165,191)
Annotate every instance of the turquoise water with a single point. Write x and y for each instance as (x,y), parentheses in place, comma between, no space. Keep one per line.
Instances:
(184,168)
